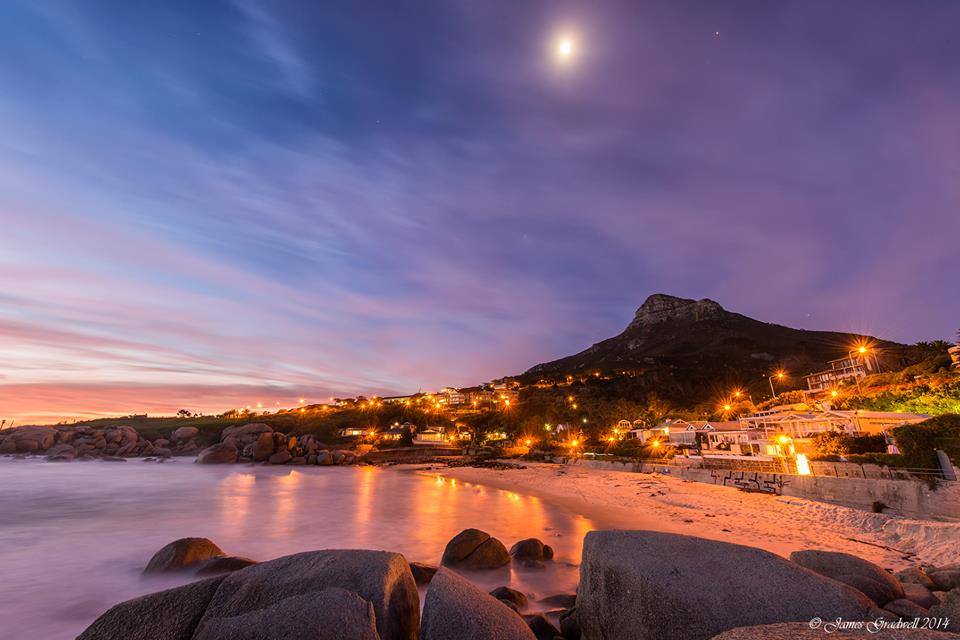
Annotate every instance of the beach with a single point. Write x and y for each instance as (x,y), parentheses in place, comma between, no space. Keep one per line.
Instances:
(625,500)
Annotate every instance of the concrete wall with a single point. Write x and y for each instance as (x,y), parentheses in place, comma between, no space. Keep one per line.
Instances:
(907,498)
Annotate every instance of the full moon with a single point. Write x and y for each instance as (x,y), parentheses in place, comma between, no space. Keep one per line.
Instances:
(565,48)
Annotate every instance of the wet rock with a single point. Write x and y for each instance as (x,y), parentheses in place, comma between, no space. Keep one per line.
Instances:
(919,594)
(168,615)
(161,442)
(108,458)
(220,453)
(422,573)
(32,439)
(475,550)
(161,452)
(541,627)
(280,457)
(327,614)
(183,553)
(325,458)
(652,585)
(514,599)
(380,577)
(224,564)
(531,549)
(454,609)
(881,588)
(298,460)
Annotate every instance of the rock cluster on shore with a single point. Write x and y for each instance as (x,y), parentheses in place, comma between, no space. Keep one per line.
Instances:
(258,442)
(633,585)
(64,443)
(254,442)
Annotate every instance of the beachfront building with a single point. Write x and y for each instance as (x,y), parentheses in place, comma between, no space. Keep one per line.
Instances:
(452,397)
(804,424)
(428,436)
(846,369)
(352,432)
(954,352)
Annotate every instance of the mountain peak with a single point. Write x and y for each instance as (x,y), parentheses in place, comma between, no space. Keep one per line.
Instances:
(661,307)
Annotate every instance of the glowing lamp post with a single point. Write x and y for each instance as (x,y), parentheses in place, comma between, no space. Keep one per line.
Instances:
(779,375)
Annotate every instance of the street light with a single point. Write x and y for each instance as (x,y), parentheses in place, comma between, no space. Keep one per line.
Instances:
(780,375)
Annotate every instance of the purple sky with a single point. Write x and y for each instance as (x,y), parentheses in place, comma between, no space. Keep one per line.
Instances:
(213,204)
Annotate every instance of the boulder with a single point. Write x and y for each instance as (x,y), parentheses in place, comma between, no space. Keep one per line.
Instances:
(61,452)
(850,570)
(531,550)
(9,445)
(280,457)
(946,579)
(221,453)
(949,607)
(183,553)
(327,614)
(167,615)
(184,433)
(454,609)
(542,628)
(475,550)
(262,447)
(514,599)
(903,608)
(161,442)
(802,631)
(224,564)
(30,439)
(915,575)
(325,458)
(161,452)
(652,585)
(422,573)
(246,433)
(380,577)
(919,594)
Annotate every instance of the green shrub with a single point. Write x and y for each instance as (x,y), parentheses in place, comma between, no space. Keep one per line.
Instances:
(918,442)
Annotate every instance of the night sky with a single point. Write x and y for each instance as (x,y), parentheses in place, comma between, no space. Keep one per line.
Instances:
(210,204)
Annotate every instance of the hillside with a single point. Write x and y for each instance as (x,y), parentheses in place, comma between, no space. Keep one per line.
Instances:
(694,341)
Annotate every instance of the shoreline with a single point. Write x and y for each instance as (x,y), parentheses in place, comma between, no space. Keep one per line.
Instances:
(780,524)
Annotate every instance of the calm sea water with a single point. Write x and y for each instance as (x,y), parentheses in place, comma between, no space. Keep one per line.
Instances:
(75,536)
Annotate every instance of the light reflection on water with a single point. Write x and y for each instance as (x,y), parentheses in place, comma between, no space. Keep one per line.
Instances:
(74,536)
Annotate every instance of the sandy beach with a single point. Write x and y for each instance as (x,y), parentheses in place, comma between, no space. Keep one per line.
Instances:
(617,499)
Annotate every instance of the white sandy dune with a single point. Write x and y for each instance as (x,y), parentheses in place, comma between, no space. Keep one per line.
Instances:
(617,499)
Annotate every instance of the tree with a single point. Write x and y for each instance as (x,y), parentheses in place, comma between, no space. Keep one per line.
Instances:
(183,413)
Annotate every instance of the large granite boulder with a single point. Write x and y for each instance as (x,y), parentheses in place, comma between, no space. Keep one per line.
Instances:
(475,550)
(803,631)
(327,614)
(516,600)
(184,433)
(183,553)
(454,609)
(651,585)
(915,575)
(167,615)
(280,457)
(220,453)
(879,585)
(380,577)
